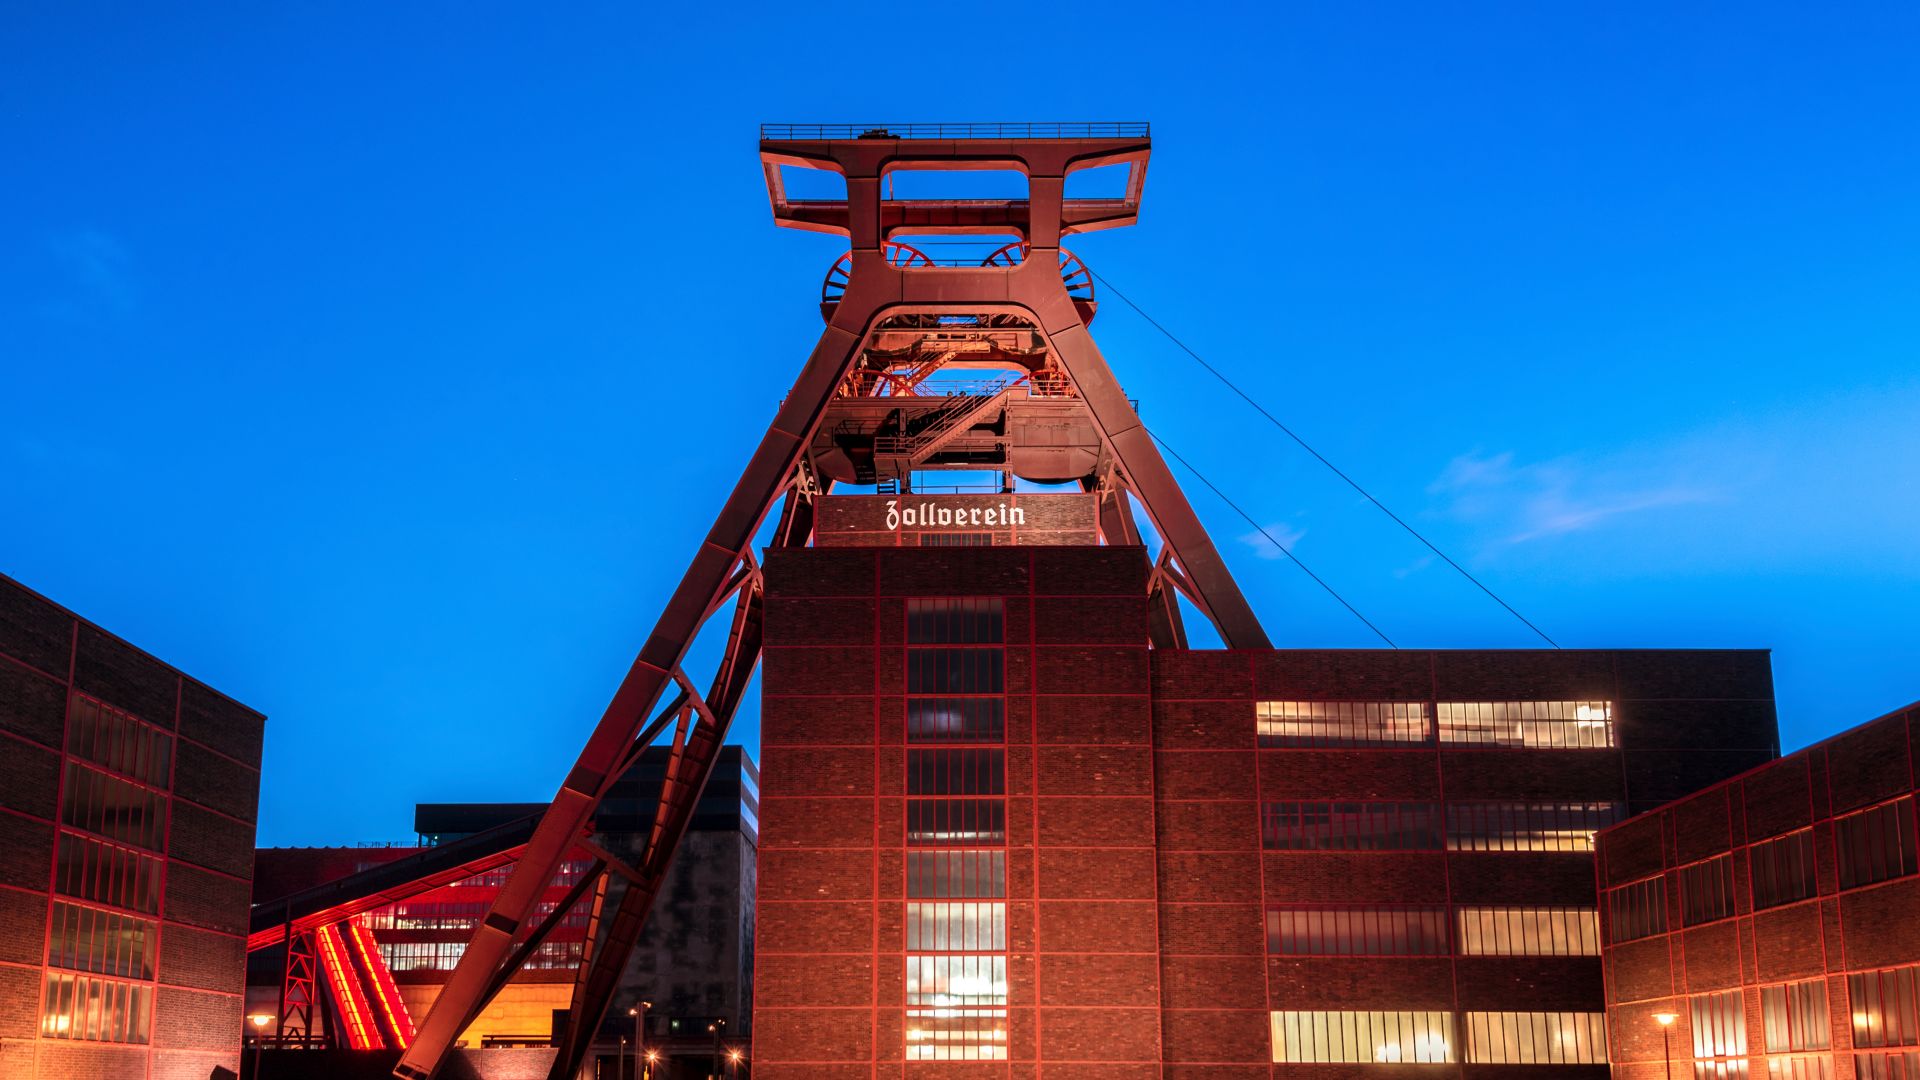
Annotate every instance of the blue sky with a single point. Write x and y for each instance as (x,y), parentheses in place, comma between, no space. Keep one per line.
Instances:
(383,366)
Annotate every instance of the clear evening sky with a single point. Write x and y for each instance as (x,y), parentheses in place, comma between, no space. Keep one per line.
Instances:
(382,364)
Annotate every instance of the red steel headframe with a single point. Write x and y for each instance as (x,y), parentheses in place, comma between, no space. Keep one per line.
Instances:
(724,568)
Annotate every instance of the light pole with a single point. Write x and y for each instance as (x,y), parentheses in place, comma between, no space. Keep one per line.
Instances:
(259,1022)
(653,1058)
(620,1063)
(733,1063)
(640,1054)
(1665,1020)
(718,1027)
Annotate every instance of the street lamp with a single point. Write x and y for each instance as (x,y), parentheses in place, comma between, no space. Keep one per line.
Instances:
(653,1058)
(640,1052)
(733,1062)
(259,1022)
(1665,1020)
(718,1027)
(620,1063)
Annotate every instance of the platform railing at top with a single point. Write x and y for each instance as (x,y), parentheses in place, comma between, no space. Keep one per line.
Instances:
(1120,129)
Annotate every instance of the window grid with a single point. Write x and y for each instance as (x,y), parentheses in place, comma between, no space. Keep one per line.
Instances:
(1499,826)
(1876,844)
(1794,1017)
(1557,725)
(1363,1037)
(1886,1007)
(1529,931)
(1896,1065)
(110,807)
(103,873)
(100,942)
(1706,891)
(1342,723)
(119,742)
(95,1009)
(1782,869)
(1376,931)
(1638,910)
(1719,1026)
(1350,826)
(1537,1038)
(956,912)
(1811,1067)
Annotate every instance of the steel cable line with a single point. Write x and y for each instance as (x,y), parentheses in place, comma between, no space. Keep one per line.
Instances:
(1321,458)
(1284,550)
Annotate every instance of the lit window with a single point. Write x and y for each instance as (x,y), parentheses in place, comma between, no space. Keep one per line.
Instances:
(1706,891)
(981,719)
(1782,869)
(959,981)
(1357,931)
(1895,1065)
(1537,1038)
(1527,826)
(1886,1007)
(950,1034)
(1357,826)
(1363,1037)
(1795,1016)
(956,822)
(95,1009)
(1537,724)
(1529,932)
(1341,723)
(957,927)
(1811,1067)
(100,942)
(1638,910)
(1719,1035)
(1876,844)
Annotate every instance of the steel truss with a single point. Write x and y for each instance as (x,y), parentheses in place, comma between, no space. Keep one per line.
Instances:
(874,284)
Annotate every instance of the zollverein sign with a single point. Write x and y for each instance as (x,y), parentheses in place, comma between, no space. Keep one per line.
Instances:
(910,519)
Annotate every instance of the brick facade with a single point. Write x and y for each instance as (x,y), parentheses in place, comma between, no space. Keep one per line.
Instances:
(1137,884)
(48,659)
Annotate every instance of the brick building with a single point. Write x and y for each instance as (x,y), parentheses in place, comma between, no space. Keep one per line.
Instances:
(127,799)
(1771,918)
(1002,837)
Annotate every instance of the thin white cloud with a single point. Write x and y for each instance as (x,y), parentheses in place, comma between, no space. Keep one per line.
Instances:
(1566,495)
(1278,531)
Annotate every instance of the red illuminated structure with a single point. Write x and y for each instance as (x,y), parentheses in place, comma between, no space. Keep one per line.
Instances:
(867,407)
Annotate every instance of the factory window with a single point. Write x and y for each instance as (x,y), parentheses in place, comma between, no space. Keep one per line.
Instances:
(1895,1065)
(1356,826)
(1529,932)
(95,1009)
(1782,869)
(1537,1038)
(982,719)
(1706,891)
(1886,1007)
(1638,910)
(956,671)
(956,1008)
(108,737)
(1795,1016)
(967,539)
(1527,826)
(949,1033)
(1811,1067)
(1539,724)
(100,942)
(1357,931)
(113,808)
(1876,844)
(1363,1037)
(1341,723)
(964,620)
(942,875)
(423,955)
(956,822)
(1719,1035)
(951,927)
(956,771)
(90,869)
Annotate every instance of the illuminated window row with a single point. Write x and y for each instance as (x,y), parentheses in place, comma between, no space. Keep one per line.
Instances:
(108,737)
(1422,931)
(1894,1065)
(1876,844)
(943,875)
(1637,910)
(95,1009)
(956,822)
(1362,1037)
(968,719)
(951,1034)
(1782,869)
(113,808)
(102,942)
(1426,826)
(1706,891)
(1536,1038)
(95,870)
(957,927)
(1529,724)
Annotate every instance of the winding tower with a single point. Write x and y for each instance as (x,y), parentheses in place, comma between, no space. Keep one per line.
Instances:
(982,366)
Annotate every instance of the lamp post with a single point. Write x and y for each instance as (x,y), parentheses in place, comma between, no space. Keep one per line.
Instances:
(620,1063)
(640,1054)
(259,1022)
(733,1063)
(718,1027)
(1665,1020)
(653,1058)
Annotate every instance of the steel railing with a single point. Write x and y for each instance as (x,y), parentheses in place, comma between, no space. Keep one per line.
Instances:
(1121,129)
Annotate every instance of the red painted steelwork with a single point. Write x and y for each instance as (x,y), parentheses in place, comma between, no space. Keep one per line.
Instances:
(1021,317)
(395,1022)
(344,982)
